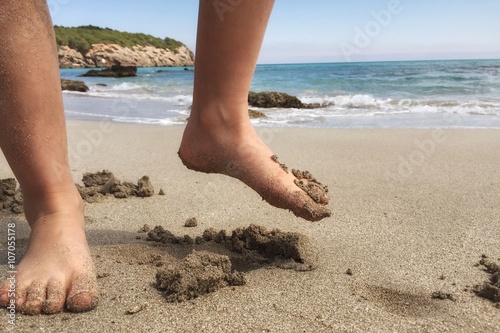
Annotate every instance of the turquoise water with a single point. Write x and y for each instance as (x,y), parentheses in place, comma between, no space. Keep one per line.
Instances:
(356,95)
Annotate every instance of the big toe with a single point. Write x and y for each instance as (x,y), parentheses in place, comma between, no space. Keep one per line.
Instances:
(82,301)
(4,295)
(315,212)
(305,207)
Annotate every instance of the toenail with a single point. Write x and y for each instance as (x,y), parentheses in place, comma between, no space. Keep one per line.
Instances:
(82,301)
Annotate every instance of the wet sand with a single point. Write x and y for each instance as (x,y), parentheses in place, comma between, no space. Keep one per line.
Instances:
(413,213)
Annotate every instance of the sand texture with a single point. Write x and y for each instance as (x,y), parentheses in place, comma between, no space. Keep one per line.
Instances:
(11,198)
(414,211)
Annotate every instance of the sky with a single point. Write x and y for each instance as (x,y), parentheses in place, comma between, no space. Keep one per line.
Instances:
(307,31)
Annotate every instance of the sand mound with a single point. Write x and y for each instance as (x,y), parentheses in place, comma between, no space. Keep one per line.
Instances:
(101,184)
(203,272)
(253,245)
(490,289)
(197,274)
(11,197)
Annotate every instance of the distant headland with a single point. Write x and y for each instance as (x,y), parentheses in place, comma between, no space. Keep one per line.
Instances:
(91,46)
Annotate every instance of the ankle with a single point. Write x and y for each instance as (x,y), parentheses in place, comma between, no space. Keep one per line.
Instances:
(214,117)
(43,203)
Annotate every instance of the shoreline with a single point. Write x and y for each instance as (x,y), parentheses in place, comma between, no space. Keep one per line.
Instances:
(414,210)
(414,95)
(377,121)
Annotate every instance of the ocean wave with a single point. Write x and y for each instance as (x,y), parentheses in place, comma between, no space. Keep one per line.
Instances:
(360,104)
(177,100)
(150,121)
(125,86)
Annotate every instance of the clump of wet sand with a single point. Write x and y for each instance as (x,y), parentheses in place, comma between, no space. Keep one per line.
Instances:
(253,245)
(97,186)
(197,274)
(306,182)
(101,184)
(317,191)
(11,198)
(191,222)
(490,289)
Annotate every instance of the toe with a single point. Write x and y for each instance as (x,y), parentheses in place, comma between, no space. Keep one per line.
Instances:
(84,295)
(55,298)
(82,301)
(35,297)
(4,295)
(310,185)
(21,292)
(308,209)
(315,212)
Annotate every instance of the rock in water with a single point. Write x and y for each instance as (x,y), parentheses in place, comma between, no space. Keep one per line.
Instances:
(72,85)
(115,71)
(274,100)
(277,100)
(256,114)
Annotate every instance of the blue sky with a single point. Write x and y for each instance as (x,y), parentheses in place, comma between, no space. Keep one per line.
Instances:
(320,30)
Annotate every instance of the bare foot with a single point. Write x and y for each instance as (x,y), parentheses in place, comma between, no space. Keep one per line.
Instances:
(57,270)
(237,151)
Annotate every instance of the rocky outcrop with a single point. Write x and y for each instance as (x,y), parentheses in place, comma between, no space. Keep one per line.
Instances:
(256,114)
(278,100)
(69,58)
(114,71)
(72,85)
(107,55)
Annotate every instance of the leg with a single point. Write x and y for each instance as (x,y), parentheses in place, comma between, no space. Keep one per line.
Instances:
(219,137)
(57,268)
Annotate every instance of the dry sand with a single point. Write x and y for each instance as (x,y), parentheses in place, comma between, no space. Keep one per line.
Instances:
(414,211)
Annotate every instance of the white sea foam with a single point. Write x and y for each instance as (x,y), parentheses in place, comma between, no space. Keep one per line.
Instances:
(127,86)
(369,105)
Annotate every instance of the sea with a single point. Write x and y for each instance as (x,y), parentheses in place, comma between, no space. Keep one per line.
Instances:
(409,94)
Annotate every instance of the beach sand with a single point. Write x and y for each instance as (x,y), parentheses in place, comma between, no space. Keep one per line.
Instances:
(414,211)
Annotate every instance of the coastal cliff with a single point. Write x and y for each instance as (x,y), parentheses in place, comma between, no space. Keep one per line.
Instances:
(90,46)
(107,55)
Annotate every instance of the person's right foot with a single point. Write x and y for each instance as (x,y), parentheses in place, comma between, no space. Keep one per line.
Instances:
(237,151)
(57,271)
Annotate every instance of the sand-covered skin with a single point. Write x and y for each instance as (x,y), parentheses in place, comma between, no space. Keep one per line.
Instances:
(317,191)
(307,183)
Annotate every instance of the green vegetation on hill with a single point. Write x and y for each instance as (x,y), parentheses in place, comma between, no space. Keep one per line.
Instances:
(81,38)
